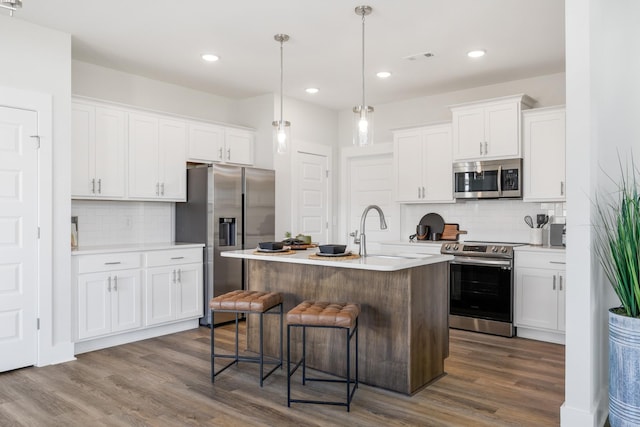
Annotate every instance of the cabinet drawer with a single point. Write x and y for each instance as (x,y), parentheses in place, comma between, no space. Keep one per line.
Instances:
(540,260)
(109,262)
(173,257)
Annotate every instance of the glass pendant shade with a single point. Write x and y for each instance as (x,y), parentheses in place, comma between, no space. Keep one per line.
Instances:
(363,113)
(362,126)
(282,135)
(281,128)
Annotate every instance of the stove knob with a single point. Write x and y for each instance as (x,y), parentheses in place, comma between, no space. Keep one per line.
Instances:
(455,248)
(447,246)
(504,250)
(494,249)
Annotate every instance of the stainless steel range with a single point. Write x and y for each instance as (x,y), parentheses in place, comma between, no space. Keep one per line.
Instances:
(481,286)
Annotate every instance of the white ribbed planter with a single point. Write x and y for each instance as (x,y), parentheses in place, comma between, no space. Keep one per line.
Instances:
(624,370)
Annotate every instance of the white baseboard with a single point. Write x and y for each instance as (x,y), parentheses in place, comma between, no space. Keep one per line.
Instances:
(137,335)
(535,334)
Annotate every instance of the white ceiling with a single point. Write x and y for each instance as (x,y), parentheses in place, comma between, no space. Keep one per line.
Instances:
(163,40)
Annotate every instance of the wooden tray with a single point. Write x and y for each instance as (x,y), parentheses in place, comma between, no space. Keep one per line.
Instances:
(334,258)
(451,232)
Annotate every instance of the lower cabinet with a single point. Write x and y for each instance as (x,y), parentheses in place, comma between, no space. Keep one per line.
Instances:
(118,293)
(109,302)
(540,288)
(173,293)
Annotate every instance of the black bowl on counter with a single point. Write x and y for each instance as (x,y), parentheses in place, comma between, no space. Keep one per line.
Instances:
(332,249)
(271,246)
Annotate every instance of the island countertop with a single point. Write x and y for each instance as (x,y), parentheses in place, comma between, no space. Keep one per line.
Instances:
(376,262)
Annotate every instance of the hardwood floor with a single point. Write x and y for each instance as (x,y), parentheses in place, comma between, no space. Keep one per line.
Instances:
(491,381)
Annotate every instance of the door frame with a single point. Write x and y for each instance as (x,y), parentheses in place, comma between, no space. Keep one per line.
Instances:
(41,104)
(347,154)
(318,150)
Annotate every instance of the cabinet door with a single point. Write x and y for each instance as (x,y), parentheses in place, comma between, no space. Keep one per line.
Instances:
(408,164)
(110,145)
(468,133)
(562,291)
(536,298)
(502,130)
(437,164)
(94,305)
(189,290)
(544,155)
(126,302)
(172,166)
(160,295)
(206,143)
(238,146)
(82,150)
(143,156)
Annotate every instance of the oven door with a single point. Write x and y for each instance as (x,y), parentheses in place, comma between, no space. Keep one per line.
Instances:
(481,288)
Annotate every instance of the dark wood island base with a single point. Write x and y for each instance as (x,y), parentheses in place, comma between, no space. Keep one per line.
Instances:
(403,326)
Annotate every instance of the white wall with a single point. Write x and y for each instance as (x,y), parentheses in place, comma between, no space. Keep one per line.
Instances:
(603,106)
(39,60)
(116,86)
(546,90)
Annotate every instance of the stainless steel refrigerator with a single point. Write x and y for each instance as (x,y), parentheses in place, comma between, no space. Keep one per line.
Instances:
(227,208)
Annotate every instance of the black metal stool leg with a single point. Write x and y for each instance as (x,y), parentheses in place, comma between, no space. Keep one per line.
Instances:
(289,365)
(213,354)
(348,368)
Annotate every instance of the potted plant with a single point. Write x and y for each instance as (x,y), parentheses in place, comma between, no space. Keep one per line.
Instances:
(618,249)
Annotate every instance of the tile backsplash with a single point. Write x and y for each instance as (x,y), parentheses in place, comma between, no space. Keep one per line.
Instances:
(111,222)
(488,220)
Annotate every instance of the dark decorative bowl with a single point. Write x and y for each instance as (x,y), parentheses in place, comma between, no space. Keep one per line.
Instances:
(332,249)
(271,246)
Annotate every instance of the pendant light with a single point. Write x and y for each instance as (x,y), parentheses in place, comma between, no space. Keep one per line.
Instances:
(12,5)
(363,114)
(281,127)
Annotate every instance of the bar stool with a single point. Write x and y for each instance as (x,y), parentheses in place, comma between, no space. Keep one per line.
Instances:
(312,314)
(249,302)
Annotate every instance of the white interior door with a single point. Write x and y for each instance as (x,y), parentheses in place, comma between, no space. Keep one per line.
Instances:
(18,238)
(312,196)
(370,182)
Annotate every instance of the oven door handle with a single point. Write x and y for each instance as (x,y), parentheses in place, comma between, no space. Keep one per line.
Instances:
(486,262)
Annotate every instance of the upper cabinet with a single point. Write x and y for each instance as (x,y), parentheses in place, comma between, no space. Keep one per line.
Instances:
(157,158)
(543,131)
(488,129)
(210,143)
(422,164)
(98,161)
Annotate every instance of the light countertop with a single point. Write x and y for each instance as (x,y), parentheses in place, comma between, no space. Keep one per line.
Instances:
(134,247)
(545,249)
(387,261)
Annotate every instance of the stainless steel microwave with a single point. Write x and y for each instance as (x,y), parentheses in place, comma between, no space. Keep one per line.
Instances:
(492,179)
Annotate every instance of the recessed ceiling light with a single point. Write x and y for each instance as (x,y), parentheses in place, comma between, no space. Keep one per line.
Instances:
(311,90)
(383,74)
(210,57)
(476,53)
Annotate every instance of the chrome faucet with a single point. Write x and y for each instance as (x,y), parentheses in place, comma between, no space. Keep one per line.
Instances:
(362,238)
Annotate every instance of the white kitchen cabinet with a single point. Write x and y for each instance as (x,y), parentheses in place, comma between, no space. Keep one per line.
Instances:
(108,295)
(540,287)
(210,143)
(543,132)
(238,146)
(423,165)
(206,143)
(157,158)
(173,286)
(488,129)
(98,161)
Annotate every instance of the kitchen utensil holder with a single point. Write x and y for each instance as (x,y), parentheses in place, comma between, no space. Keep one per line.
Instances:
(535,237)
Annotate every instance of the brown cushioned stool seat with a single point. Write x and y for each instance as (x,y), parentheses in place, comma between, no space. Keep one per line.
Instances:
(244,301)
(249,302)
(321,314)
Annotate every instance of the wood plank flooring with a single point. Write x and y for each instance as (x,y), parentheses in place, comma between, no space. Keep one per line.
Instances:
(165,381)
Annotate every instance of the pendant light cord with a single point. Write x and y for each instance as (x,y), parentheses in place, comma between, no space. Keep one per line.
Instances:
(281,80)
(363,15)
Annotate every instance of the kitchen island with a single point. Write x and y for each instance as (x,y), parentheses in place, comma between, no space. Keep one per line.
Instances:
(403,325)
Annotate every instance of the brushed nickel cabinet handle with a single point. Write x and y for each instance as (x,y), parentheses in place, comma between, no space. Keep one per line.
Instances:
(560,280)
(113,263)
(115,283)
(554,282)
(100,186)
(562,188)
(173,280)
(220,153)
(418,192)
(93,186)
(423,193)
(180,275)
(109,284)
(228,153)
(486,148)
(481,148)
(162,188)
(157,188)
